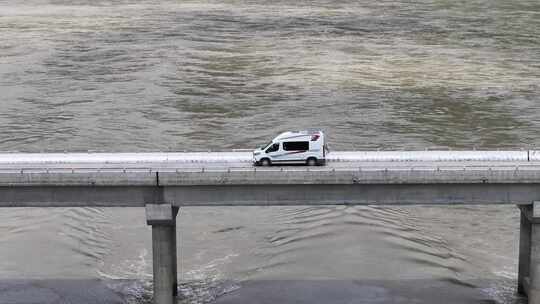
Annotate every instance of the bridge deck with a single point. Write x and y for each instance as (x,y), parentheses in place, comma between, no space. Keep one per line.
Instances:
(229,178)
(245,156)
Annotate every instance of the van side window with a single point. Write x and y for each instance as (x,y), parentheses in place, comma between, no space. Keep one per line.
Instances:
(273,148)
(296,146)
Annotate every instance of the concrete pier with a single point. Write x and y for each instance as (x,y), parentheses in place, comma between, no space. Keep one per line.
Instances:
(162,218)
(529,253)
(524,249)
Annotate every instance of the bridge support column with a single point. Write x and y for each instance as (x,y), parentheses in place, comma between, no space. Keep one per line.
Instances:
(529,253)
(524,249)
(162,218)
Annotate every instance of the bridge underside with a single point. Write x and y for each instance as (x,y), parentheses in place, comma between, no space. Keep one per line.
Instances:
(266,195)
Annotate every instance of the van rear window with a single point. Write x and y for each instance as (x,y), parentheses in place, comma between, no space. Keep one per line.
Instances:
(296,146)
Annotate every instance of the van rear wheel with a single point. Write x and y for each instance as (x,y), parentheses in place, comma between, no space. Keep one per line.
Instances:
(312,161)
(265,162)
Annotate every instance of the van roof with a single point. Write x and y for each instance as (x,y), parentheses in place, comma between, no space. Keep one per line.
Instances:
(290,134)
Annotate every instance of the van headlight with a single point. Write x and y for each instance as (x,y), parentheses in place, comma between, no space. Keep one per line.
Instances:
(256,153)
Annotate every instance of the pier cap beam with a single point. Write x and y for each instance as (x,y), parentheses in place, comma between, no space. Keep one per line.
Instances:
(161,214)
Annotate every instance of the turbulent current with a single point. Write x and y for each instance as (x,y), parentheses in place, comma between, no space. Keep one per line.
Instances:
(149,75)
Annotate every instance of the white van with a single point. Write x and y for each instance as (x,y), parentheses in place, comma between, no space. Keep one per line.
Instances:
(297,147)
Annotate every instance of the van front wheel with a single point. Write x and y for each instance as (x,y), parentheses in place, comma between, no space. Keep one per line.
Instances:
(265,162)
(312,161)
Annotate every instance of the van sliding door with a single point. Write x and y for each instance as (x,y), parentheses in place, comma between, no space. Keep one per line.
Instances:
(295,150)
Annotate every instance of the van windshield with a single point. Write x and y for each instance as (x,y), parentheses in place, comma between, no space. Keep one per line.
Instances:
(264,146)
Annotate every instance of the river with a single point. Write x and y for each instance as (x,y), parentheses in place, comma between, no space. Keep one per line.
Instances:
(150,75)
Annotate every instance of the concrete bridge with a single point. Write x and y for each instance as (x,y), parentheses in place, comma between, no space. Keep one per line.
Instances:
(164,182)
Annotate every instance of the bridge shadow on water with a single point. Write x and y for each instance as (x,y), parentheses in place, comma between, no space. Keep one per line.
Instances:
(90,291)
(362,291)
